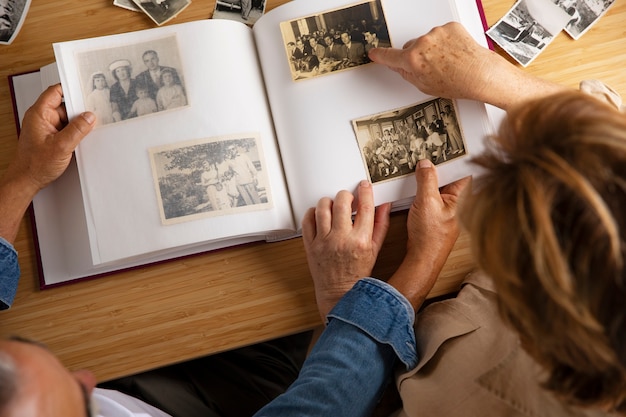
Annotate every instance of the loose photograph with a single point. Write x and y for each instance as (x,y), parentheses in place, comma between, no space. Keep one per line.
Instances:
(12,16)
(162,11)
(526,30)
(583,14)
(245,11)
(392,142)
(334,40)
(132,81)
(210,177)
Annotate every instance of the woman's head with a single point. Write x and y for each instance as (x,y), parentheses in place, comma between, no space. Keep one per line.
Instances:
(547,218)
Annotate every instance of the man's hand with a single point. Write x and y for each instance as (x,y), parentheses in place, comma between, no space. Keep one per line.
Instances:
(340,252)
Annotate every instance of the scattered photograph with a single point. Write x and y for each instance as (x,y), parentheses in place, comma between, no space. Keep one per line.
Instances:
(133,80)
(127,4)
(528,28)
(583,14)
(334,40)
(162,11)
(392,142)
(245,11)
(12,16)
(210,177)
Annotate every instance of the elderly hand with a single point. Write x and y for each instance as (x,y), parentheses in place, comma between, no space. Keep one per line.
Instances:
(340,252)
(447,62)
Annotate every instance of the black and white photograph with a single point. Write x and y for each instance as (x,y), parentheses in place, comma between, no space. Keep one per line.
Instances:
(334,40)
(127,4)
(392,142)
(12,16)
(245,11)
(526,30)
(583,14)
(132,81)
(162,11)
(210,177)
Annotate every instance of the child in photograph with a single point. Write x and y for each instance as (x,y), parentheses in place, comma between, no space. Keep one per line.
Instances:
(144,103)
(99,100)
(171,94)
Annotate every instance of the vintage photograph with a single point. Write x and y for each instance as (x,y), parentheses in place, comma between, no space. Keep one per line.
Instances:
(583,14)
(132,81)
(127,4)
(162,11)
(12,16)
(528,28)
(392,142)
(334,40)
(245,11)
(210,177)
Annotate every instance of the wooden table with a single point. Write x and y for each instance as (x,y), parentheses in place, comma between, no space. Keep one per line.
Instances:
(133,321)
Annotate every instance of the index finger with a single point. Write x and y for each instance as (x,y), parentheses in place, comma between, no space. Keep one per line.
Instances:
(390,57)
(364,218)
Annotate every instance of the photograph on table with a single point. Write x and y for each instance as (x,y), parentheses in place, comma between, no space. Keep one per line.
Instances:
(392,142)
(583,14)
(127,4)
(210,177)
(132,81)
(334,40)
(526,29)
(12,16)
(162,11)
(245,11)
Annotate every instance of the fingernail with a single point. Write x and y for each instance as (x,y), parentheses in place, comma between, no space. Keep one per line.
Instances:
(89,117)
(424,163)
(364,183)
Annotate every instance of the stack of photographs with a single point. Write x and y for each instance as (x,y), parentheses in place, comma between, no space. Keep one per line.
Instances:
(160,11)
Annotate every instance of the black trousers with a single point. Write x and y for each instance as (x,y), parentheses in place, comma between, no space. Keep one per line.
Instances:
(230,384)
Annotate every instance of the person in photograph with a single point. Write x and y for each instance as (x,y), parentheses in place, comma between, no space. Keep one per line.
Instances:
(372,41)
(245,175)
(171,94)
(317,49)
(354,51)
(451,126)
(144,103)
(246,7)
(299,52)
(123,93)
(7,18)
(525,32)
(216,193)
(99,100)
(151,76)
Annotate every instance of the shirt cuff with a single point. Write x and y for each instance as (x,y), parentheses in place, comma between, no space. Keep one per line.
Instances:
(9,273)
(382,312)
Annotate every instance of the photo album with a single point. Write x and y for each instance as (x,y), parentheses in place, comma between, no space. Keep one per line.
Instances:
(212,134)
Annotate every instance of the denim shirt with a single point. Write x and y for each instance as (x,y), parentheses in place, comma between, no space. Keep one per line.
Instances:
(9,274)
(368,331)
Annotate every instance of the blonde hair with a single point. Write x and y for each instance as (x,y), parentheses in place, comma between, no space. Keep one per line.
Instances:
(547,218)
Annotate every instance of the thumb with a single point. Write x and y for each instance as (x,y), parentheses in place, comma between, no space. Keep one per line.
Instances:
(71,135)
(390,57)
(427,180)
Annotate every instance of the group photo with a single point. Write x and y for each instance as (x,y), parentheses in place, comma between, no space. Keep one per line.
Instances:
(132,81)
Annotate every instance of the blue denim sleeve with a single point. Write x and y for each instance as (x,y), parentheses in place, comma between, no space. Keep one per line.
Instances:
(368,331)
(9,274)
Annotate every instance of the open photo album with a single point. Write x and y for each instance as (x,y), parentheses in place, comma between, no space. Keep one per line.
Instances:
(212,134)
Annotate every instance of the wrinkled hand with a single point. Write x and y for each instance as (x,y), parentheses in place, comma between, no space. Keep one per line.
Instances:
(47,141)
(447,62)
(340,252)
(432,231)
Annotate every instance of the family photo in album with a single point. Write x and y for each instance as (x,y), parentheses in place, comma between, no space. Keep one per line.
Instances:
(334,40)
(211,177)
(132,81)
(393,142)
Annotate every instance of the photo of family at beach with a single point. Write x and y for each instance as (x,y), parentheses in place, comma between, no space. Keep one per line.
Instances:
(132,81)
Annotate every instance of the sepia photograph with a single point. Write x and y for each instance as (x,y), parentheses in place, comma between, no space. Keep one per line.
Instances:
(162,11)
(583,14)
(528,28)
(210,177)
(132,81)
(392,142)
(245,11)
(334,40)
(12,16)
